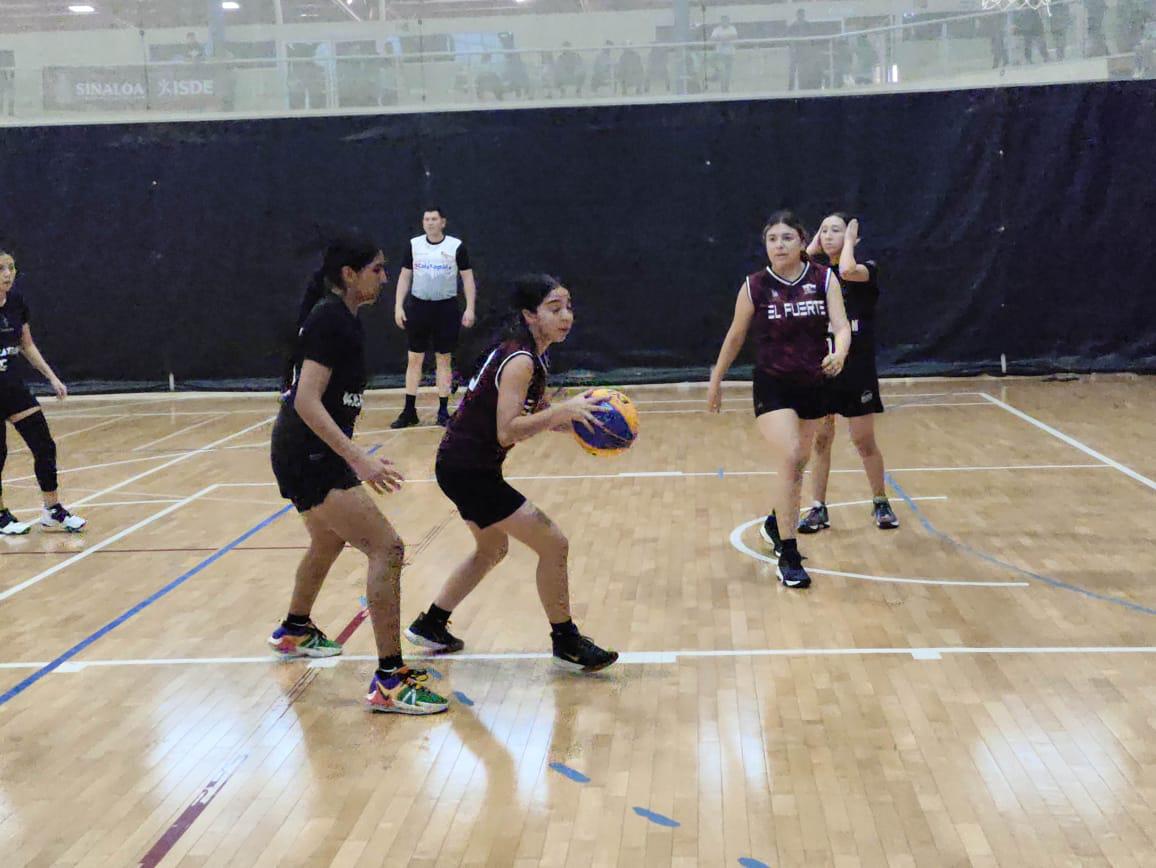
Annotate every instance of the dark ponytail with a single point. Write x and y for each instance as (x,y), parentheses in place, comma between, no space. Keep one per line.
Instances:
(528,293)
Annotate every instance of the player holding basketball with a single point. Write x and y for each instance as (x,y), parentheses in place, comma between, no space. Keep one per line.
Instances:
(20,407)
(854,392)
(320,469)
(504,404)
(788,305)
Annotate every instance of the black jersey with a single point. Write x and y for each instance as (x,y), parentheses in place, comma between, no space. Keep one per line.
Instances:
(333,337)
(471,438)
(13,317)
(790,323)
(860,298)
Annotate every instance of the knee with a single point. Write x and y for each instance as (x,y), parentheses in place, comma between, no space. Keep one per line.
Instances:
(824,437)
(865,443)
(494,554)
(559,545)
(390,551)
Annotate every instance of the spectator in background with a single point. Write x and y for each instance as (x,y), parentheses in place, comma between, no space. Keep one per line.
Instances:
(194,52)
(547,74)
(388,77)
(1097,44)
(1058,23)
(569,70)
(724,37)
(866,60)
(994,26)
(488,80)
(1131,16)
(1030,26)
(658,68)
(630,72)
(796,50)
(603,73)
(7,83)
(517,76)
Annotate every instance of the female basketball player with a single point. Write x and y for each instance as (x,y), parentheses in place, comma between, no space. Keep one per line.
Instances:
(320,469)
(788,304)
(20,407)
(504,404)
(855,392)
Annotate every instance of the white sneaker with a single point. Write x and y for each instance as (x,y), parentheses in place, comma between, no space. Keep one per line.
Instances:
(9,526)
(60,520)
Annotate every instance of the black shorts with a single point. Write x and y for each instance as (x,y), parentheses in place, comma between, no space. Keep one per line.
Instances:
(809,401)
(855,393)
(432,325)
(481,496)
(306,475)
(15,398)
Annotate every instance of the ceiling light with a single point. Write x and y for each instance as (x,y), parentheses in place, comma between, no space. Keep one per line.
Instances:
(82,9)
(231,5)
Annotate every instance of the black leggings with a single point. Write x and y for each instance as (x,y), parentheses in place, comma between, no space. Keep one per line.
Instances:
(34,430)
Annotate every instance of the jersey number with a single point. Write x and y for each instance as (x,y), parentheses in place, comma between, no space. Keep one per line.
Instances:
(478,376)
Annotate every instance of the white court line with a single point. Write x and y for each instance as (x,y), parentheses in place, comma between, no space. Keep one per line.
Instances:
(675,474)
(23,450)
(939,404)
(158,501)
(177,433)
(1072,441)
(737,542)
(104,464)
(627,657)
(170,463)
(103,544)
(897,397)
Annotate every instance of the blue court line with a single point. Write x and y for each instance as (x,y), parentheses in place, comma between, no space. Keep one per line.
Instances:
(139,607)
(748,862)
(462,698)
(1047,580)
(572,774)
(660,819)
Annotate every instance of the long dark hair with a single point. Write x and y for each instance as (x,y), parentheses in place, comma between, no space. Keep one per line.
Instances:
(527,293)
(788,218)
(355,251)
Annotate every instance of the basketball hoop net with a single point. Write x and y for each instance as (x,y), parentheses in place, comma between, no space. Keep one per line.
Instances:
(1009,5)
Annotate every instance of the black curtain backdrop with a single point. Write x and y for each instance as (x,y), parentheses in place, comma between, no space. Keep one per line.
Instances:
(1006,222)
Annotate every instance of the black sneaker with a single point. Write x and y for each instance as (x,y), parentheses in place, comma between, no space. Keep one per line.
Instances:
(770,534)
(428,633)
(405,420)
(815,520)
(9,524)
(885,518)
(792,574)
(577,653)
(443,417)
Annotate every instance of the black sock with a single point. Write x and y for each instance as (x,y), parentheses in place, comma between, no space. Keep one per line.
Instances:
(295,622)
(564,629)
(437,614)
(443,404)
(385,665)
(410,404)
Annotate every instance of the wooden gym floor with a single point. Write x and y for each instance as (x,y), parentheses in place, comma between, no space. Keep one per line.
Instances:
(976,688)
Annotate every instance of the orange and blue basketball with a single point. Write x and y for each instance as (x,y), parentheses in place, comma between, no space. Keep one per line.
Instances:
(619,418)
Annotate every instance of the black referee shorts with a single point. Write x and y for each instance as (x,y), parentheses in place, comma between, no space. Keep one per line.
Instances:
(855,392)
(432,325)
(15,398)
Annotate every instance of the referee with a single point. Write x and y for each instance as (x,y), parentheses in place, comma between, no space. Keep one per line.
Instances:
(427,309)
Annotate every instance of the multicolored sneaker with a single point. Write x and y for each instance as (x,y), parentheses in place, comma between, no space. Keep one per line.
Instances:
(428,633)
(885,518)
(309,641)
(403,691)
(578,653)
(57,519)
(791,573)
(9,524)
(815,520)
(770,534)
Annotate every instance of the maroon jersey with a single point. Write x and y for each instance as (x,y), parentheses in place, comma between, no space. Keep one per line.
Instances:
(790,323)
(471,438)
